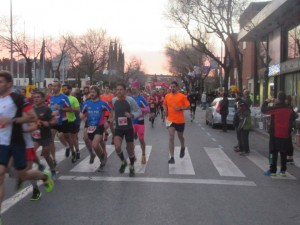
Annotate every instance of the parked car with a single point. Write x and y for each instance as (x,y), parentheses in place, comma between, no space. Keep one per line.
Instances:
(213,118)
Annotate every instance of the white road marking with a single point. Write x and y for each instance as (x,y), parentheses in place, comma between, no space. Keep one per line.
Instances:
(183,165)
(85,167)
(208,134)
(159,180)
(220,146)
(263,163)
(223,163)
(138,166)
(214,140)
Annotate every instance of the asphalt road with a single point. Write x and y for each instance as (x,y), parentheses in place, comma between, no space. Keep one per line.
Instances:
(211,185)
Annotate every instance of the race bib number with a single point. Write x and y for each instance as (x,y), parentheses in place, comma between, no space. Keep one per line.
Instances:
(122,121)
(168,123)
(91,129)
(193,104)
(36,134)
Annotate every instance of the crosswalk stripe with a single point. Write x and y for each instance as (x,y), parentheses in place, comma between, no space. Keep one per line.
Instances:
(182,166)
(138,166)
(223,163)
(85,167)
(262,162)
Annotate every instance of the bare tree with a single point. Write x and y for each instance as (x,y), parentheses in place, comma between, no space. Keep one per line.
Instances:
(218,17)
(89,52)
(183,58)
(23,45)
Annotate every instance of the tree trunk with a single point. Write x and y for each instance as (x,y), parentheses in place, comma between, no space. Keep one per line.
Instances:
(226,78)
(266,85)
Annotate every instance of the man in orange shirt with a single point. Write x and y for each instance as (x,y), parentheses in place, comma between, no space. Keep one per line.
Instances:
(107,97)
(174,104)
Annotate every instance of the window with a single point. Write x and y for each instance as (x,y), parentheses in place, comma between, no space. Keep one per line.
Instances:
(294,42)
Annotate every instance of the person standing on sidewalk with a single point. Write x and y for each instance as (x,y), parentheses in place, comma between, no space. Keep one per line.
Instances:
(174,105)
(224,111)
(244,127)
(283,115)
(290,150)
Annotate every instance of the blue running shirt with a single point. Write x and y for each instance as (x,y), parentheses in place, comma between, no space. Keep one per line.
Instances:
(95,112)
(142,103)
(63,102)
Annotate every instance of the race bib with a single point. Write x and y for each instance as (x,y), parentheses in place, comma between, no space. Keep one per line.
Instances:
(168,123)
(91,129)
(36,134)
(193,104)
(56,114)
(122,121)
(152,105)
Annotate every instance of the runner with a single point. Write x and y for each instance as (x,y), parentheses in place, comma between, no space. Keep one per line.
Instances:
(94,110)
(59,104)
(193,97)
(72,128)
(12,116)
(153,101)
(139,123)
(174,104)
(42,135)
(125,109)
(161,101)
(107,97)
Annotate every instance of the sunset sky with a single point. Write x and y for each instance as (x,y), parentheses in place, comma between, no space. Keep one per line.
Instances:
(139,24)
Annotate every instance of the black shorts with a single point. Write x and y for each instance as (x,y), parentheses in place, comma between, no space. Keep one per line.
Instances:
(43,141)
(63,128)
(153,110)
(128,133)
(98,131)
(72,127)
(17,152)
(179,127)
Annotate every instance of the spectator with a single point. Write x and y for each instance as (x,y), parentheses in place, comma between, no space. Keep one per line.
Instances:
(224,111)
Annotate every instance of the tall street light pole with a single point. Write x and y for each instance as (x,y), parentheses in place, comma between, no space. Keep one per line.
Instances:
(11,41)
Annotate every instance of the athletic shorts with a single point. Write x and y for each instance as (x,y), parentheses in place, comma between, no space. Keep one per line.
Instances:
(72,128)
(63,128)
(17,152)
(128,133)
(140,130)
(43,141)
(92,131)
(179,127)
(30,154)
(153,110)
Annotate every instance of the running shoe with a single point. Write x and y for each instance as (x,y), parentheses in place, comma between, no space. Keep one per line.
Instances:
(269,174)
(77,155)
(131,171)
(182,152)
(73,157)
(244,153)
(67,153)
(48,183)
(53,175)
(282,174)
(123,166)
(36,195)
(41,167)
(171,160)
(143,159)
(92,158)
(103,160)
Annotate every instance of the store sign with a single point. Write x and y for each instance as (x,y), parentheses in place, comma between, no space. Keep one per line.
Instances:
(290,66)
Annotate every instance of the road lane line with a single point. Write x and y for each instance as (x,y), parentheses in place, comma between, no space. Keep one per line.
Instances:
(223,163)
(214,140)
(159,180)
(138,166)
(85,167)
(263,163)
(208,134)
(183,166)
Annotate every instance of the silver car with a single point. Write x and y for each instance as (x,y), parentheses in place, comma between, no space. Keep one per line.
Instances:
(213,118)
